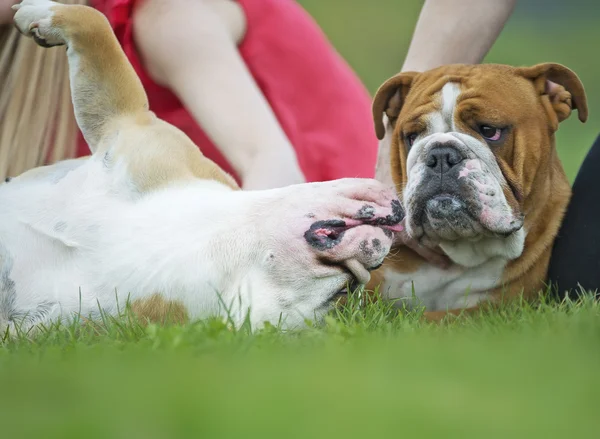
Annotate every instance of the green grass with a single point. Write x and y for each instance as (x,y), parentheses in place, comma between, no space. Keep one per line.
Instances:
(521,371)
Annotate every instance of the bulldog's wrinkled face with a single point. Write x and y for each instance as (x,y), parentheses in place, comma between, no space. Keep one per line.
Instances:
(455,187)
(468,143)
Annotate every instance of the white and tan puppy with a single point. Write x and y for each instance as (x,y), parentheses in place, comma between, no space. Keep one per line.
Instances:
(474,160)
(149,220)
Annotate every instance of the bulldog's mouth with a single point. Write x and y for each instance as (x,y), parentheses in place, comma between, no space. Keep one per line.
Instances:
(450,217)
(444,206)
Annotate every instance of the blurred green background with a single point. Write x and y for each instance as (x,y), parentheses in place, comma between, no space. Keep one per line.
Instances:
(373,36)
(530,376)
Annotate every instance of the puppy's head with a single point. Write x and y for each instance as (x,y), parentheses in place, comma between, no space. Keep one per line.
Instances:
(470,144)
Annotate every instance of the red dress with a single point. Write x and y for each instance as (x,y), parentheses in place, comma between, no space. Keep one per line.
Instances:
(320,103)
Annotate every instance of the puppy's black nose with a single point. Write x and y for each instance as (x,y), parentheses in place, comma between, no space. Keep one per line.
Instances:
(443,158)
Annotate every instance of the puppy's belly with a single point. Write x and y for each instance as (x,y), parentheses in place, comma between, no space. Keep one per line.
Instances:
(51,225)
(439,290)
(79,242)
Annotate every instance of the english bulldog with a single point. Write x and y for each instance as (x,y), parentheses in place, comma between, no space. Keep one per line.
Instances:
(148,221)
(473,158)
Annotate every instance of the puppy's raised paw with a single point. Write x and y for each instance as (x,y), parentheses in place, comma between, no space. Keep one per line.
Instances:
(34,19)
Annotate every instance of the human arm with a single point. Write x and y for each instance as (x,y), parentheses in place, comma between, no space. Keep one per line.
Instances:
(456,31)
(203,67)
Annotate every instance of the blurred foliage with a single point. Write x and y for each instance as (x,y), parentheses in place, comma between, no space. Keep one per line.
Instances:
(374,36)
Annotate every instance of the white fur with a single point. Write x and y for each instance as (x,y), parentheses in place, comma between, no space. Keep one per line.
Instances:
(74,242)
(475,253)
(439,290)
(383,171)
(40,13)
(450,93)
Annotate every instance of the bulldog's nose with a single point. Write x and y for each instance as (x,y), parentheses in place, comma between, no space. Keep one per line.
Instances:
(443,158)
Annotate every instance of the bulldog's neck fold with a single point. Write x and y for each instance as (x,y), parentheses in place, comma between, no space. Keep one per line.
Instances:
(474,253)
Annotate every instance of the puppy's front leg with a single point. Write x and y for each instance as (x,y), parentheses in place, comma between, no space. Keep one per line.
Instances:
(110,103)
(104,86)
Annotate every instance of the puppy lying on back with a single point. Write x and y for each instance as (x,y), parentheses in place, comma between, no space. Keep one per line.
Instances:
(149,220)
(474,160)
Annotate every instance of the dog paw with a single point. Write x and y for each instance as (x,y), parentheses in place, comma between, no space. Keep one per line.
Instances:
(348,223)
(358,202)
(34,19)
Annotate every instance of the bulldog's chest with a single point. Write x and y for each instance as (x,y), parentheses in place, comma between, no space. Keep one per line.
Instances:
(438,290)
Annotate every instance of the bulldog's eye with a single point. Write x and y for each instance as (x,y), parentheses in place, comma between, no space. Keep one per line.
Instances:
(410,139)
(490,133)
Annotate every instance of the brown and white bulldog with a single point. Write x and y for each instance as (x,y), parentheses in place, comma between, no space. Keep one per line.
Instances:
(474,161)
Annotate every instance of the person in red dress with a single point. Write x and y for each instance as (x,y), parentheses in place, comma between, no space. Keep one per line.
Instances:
(254,83)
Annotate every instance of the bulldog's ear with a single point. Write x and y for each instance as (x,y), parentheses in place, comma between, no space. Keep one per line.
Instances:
(562,86)
(389,99)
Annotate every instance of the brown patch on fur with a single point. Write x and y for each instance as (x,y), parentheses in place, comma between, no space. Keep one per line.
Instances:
(159,154)
(440,316)
(528,158)
(402,258)
(377,278)
(103,66)
(156,309)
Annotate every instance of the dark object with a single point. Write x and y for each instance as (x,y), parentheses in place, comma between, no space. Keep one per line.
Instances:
(575,259)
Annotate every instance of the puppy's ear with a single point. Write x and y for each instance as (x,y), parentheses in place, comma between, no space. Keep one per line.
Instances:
(389,99)
(561,86)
